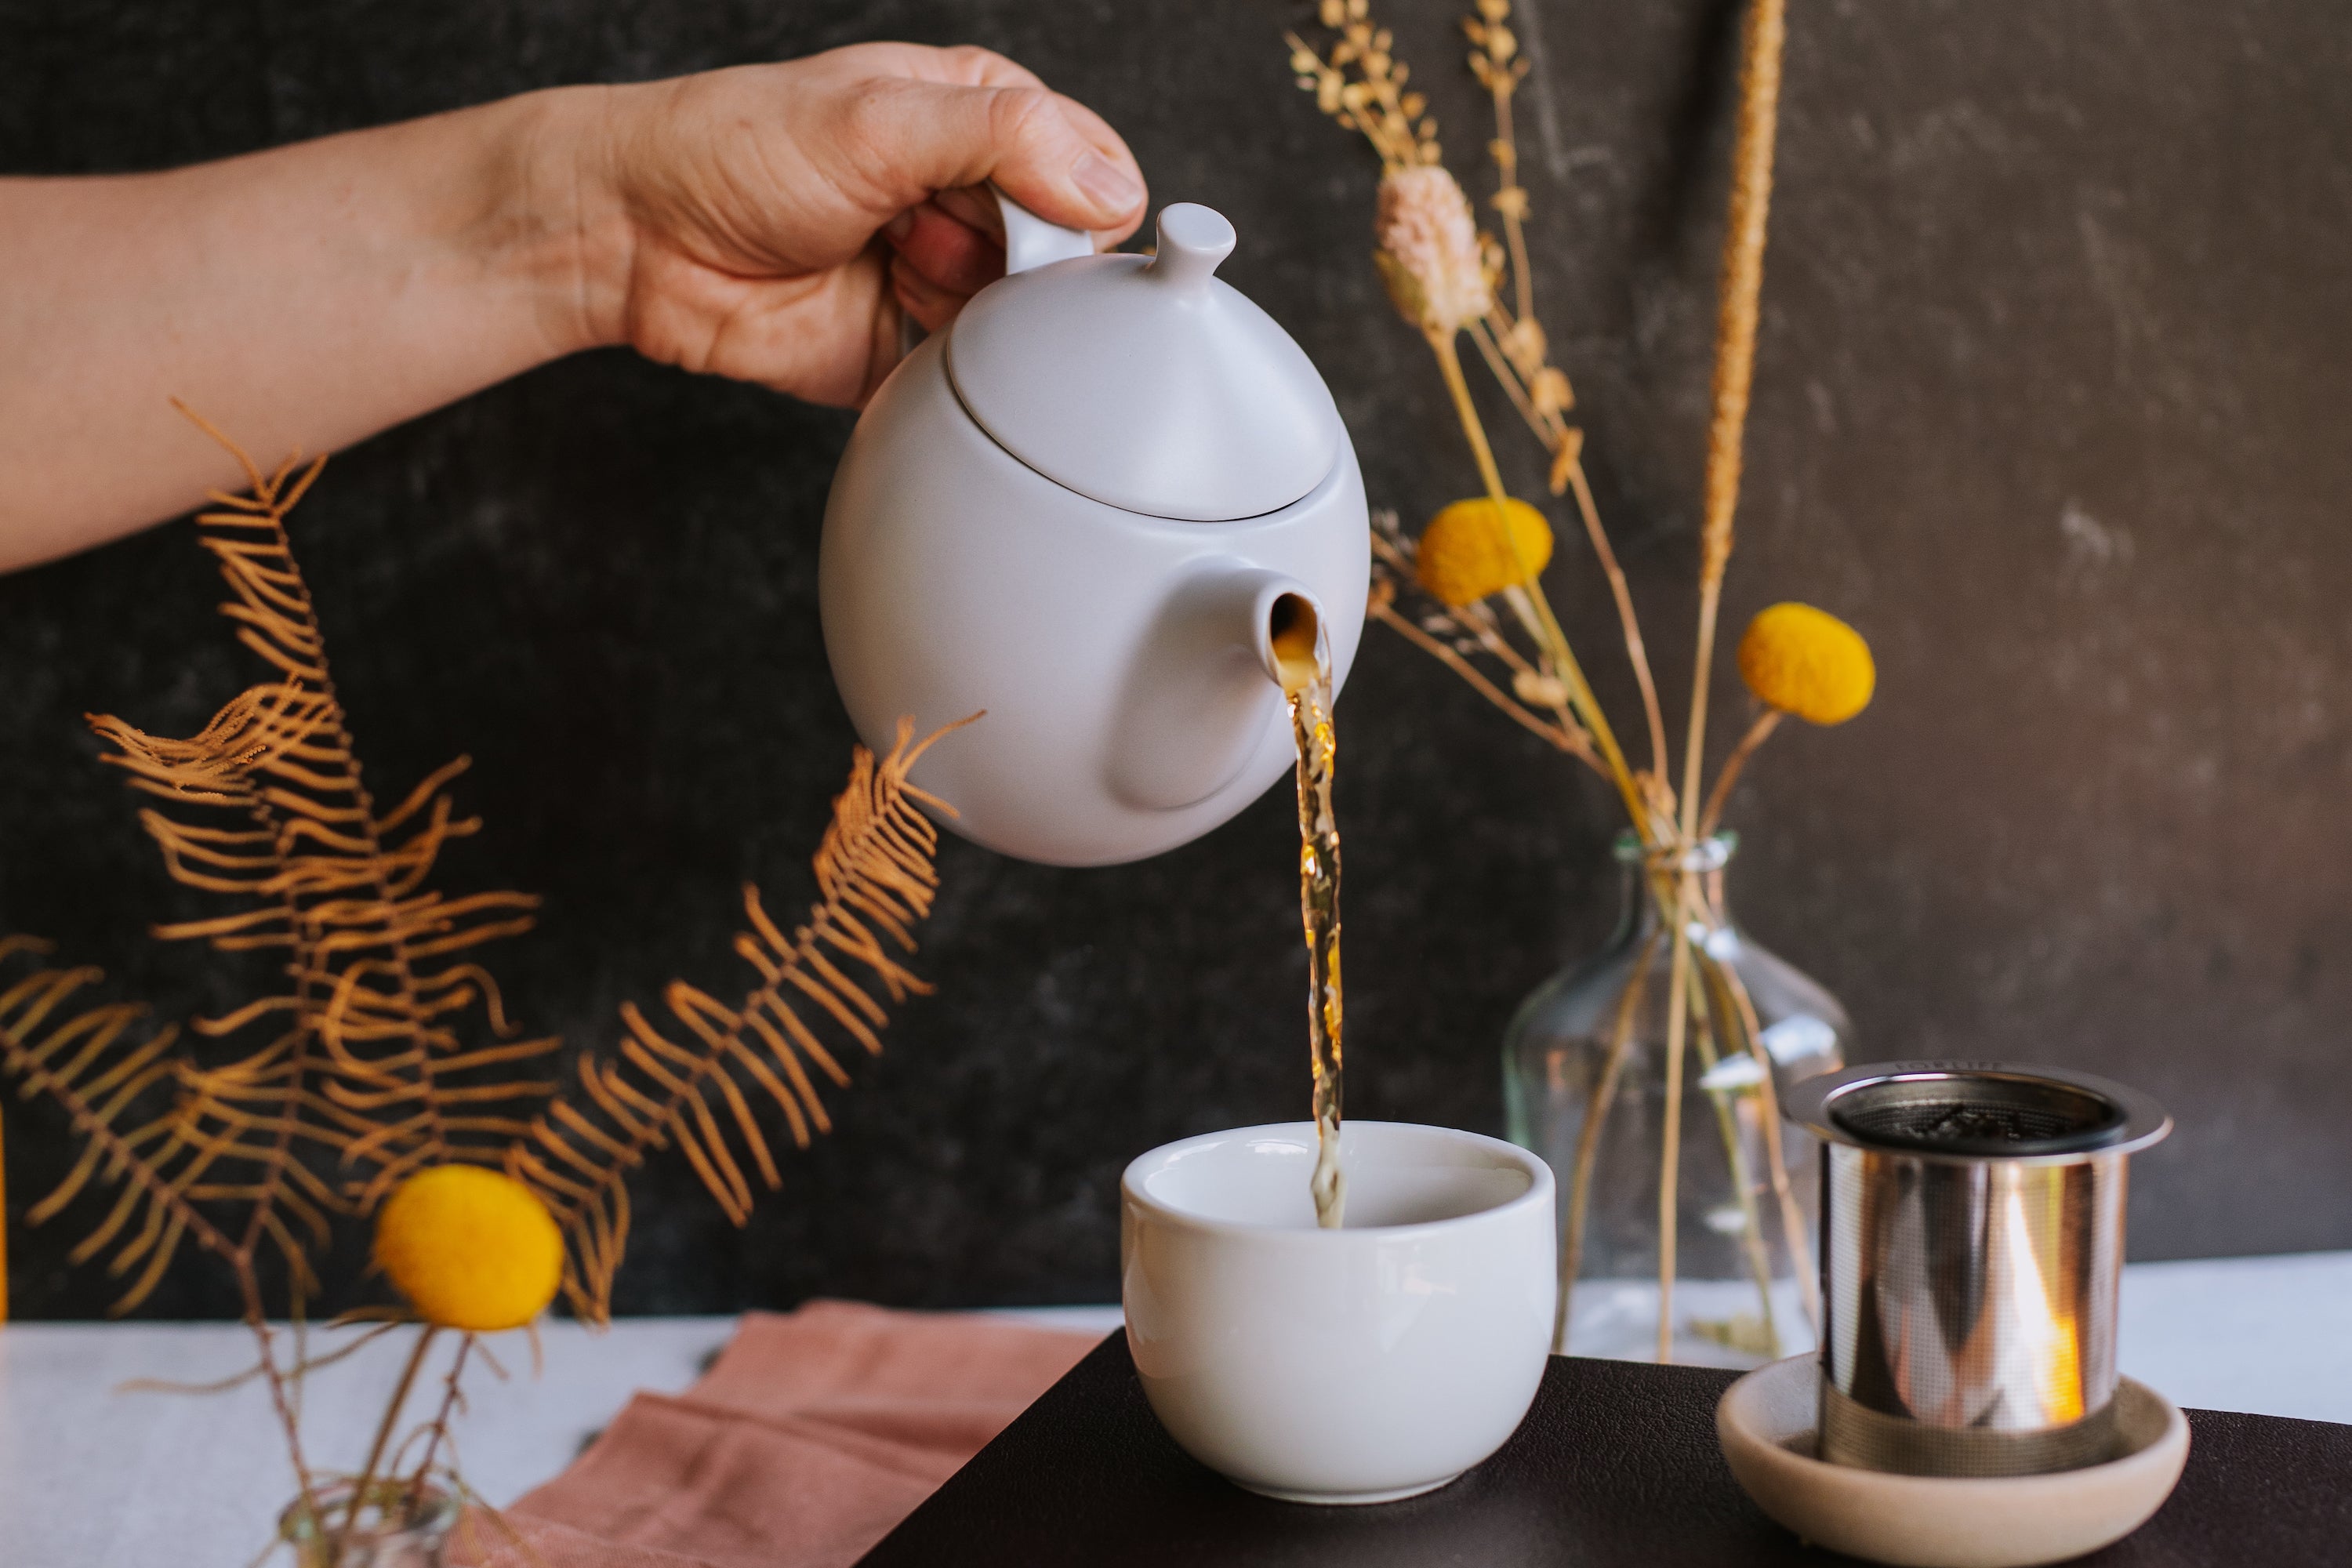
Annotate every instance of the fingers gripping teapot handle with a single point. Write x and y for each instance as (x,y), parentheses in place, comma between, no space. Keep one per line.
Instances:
(1030,241)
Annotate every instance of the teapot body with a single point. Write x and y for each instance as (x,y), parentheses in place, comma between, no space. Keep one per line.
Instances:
(1128,708)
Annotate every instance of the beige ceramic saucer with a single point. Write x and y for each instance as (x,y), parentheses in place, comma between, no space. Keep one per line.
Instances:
(1766,1422)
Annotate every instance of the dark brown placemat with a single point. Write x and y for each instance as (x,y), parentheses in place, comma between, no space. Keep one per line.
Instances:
(1616,1465)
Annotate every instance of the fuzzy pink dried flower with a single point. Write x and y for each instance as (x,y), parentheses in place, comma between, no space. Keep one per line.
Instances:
(1429,250)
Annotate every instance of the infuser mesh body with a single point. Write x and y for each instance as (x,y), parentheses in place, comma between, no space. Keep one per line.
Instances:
(1971,1313)
(1972,1239)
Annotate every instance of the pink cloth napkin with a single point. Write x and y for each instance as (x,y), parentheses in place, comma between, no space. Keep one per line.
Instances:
(812,1434)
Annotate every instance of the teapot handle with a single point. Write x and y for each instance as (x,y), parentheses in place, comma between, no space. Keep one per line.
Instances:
(1030,241)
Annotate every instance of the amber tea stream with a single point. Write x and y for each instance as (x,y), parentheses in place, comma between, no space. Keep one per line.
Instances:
(1304,659)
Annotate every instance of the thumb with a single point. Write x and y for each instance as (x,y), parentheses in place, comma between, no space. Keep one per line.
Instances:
(910,138)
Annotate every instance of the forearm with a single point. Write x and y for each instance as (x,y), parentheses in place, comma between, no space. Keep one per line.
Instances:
(305,296)
(768,222)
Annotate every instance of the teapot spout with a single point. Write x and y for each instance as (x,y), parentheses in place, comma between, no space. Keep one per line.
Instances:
(1295,653)
(1205,689)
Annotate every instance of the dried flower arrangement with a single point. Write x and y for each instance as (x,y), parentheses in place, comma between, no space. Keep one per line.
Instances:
(384,1077)
(1478,564)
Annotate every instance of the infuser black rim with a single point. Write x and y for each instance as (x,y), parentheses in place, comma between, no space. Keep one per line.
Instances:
(1976,1111)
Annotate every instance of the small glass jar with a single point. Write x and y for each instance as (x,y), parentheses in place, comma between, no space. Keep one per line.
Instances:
(400,1525)
(1584,1086)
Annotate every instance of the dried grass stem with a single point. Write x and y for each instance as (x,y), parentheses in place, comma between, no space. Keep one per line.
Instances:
(1717,798)
(1741,285)
(1571,742)
(1637,653)
(1529,601)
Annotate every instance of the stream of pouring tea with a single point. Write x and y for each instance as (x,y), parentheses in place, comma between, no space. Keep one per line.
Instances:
(1305,660)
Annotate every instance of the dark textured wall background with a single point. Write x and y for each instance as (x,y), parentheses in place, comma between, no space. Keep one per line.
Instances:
(2051,403)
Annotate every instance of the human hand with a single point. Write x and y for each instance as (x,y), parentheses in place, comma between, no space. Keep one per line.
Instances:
(771,223)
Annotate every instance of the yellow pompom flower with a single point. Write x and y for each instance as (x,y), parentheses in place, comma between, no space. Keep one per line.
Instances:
(471,1248)
(1465,556)
(1806,661)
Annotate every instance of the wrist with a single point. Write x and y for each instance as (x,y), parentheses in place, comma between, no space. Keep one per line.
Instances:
(565,233)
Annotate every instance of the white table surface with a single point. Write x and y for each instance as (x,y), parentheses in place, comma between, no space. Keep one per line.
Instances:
(90,1478)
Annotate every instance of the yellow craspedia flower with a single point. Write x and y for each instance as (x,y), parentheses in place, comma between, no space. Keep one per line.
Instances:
(1806,661)
(1465,556)
(471,1248)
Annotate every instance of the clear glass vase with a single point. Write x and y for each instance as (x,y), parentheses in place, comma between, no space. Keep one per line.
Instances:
(1584,1085)
(400,1526)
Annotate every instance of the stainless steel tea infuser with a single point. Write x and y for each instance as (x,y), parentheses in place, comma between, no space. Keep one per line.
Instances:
(1972,1229)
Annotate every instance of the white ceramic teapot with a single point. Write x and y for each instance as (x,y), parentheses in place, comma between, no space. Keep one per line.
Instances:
(1082,509)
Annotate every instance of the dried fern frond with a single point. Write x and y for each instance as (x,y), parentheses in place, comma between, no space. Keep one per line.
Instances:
(180,1158)
(361,1052)
(876,882)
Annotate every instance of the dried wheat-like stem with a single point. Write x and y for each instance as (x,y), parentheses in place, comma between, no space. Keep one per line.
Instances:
(876,882)
(1735,364)
(1735,351)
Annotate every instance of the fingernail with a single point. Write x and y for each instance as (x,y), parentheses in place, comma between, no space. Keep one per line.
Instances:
(1107,184)
(896,229)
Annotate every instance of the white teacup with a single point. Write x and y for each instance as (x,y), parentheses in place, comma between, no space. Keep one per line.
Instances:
(1339,1366)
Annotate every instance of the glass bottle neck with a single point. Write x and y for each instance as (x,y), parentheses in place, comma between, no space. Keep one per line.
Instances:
(1648,874)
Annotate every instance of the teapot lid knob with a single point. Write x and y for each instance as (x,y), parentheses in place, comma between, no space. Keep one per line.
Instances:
(1193,240)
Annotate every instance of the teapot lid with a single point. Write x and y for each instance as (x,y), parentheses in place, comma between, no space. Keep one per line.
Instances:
(1146,383)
